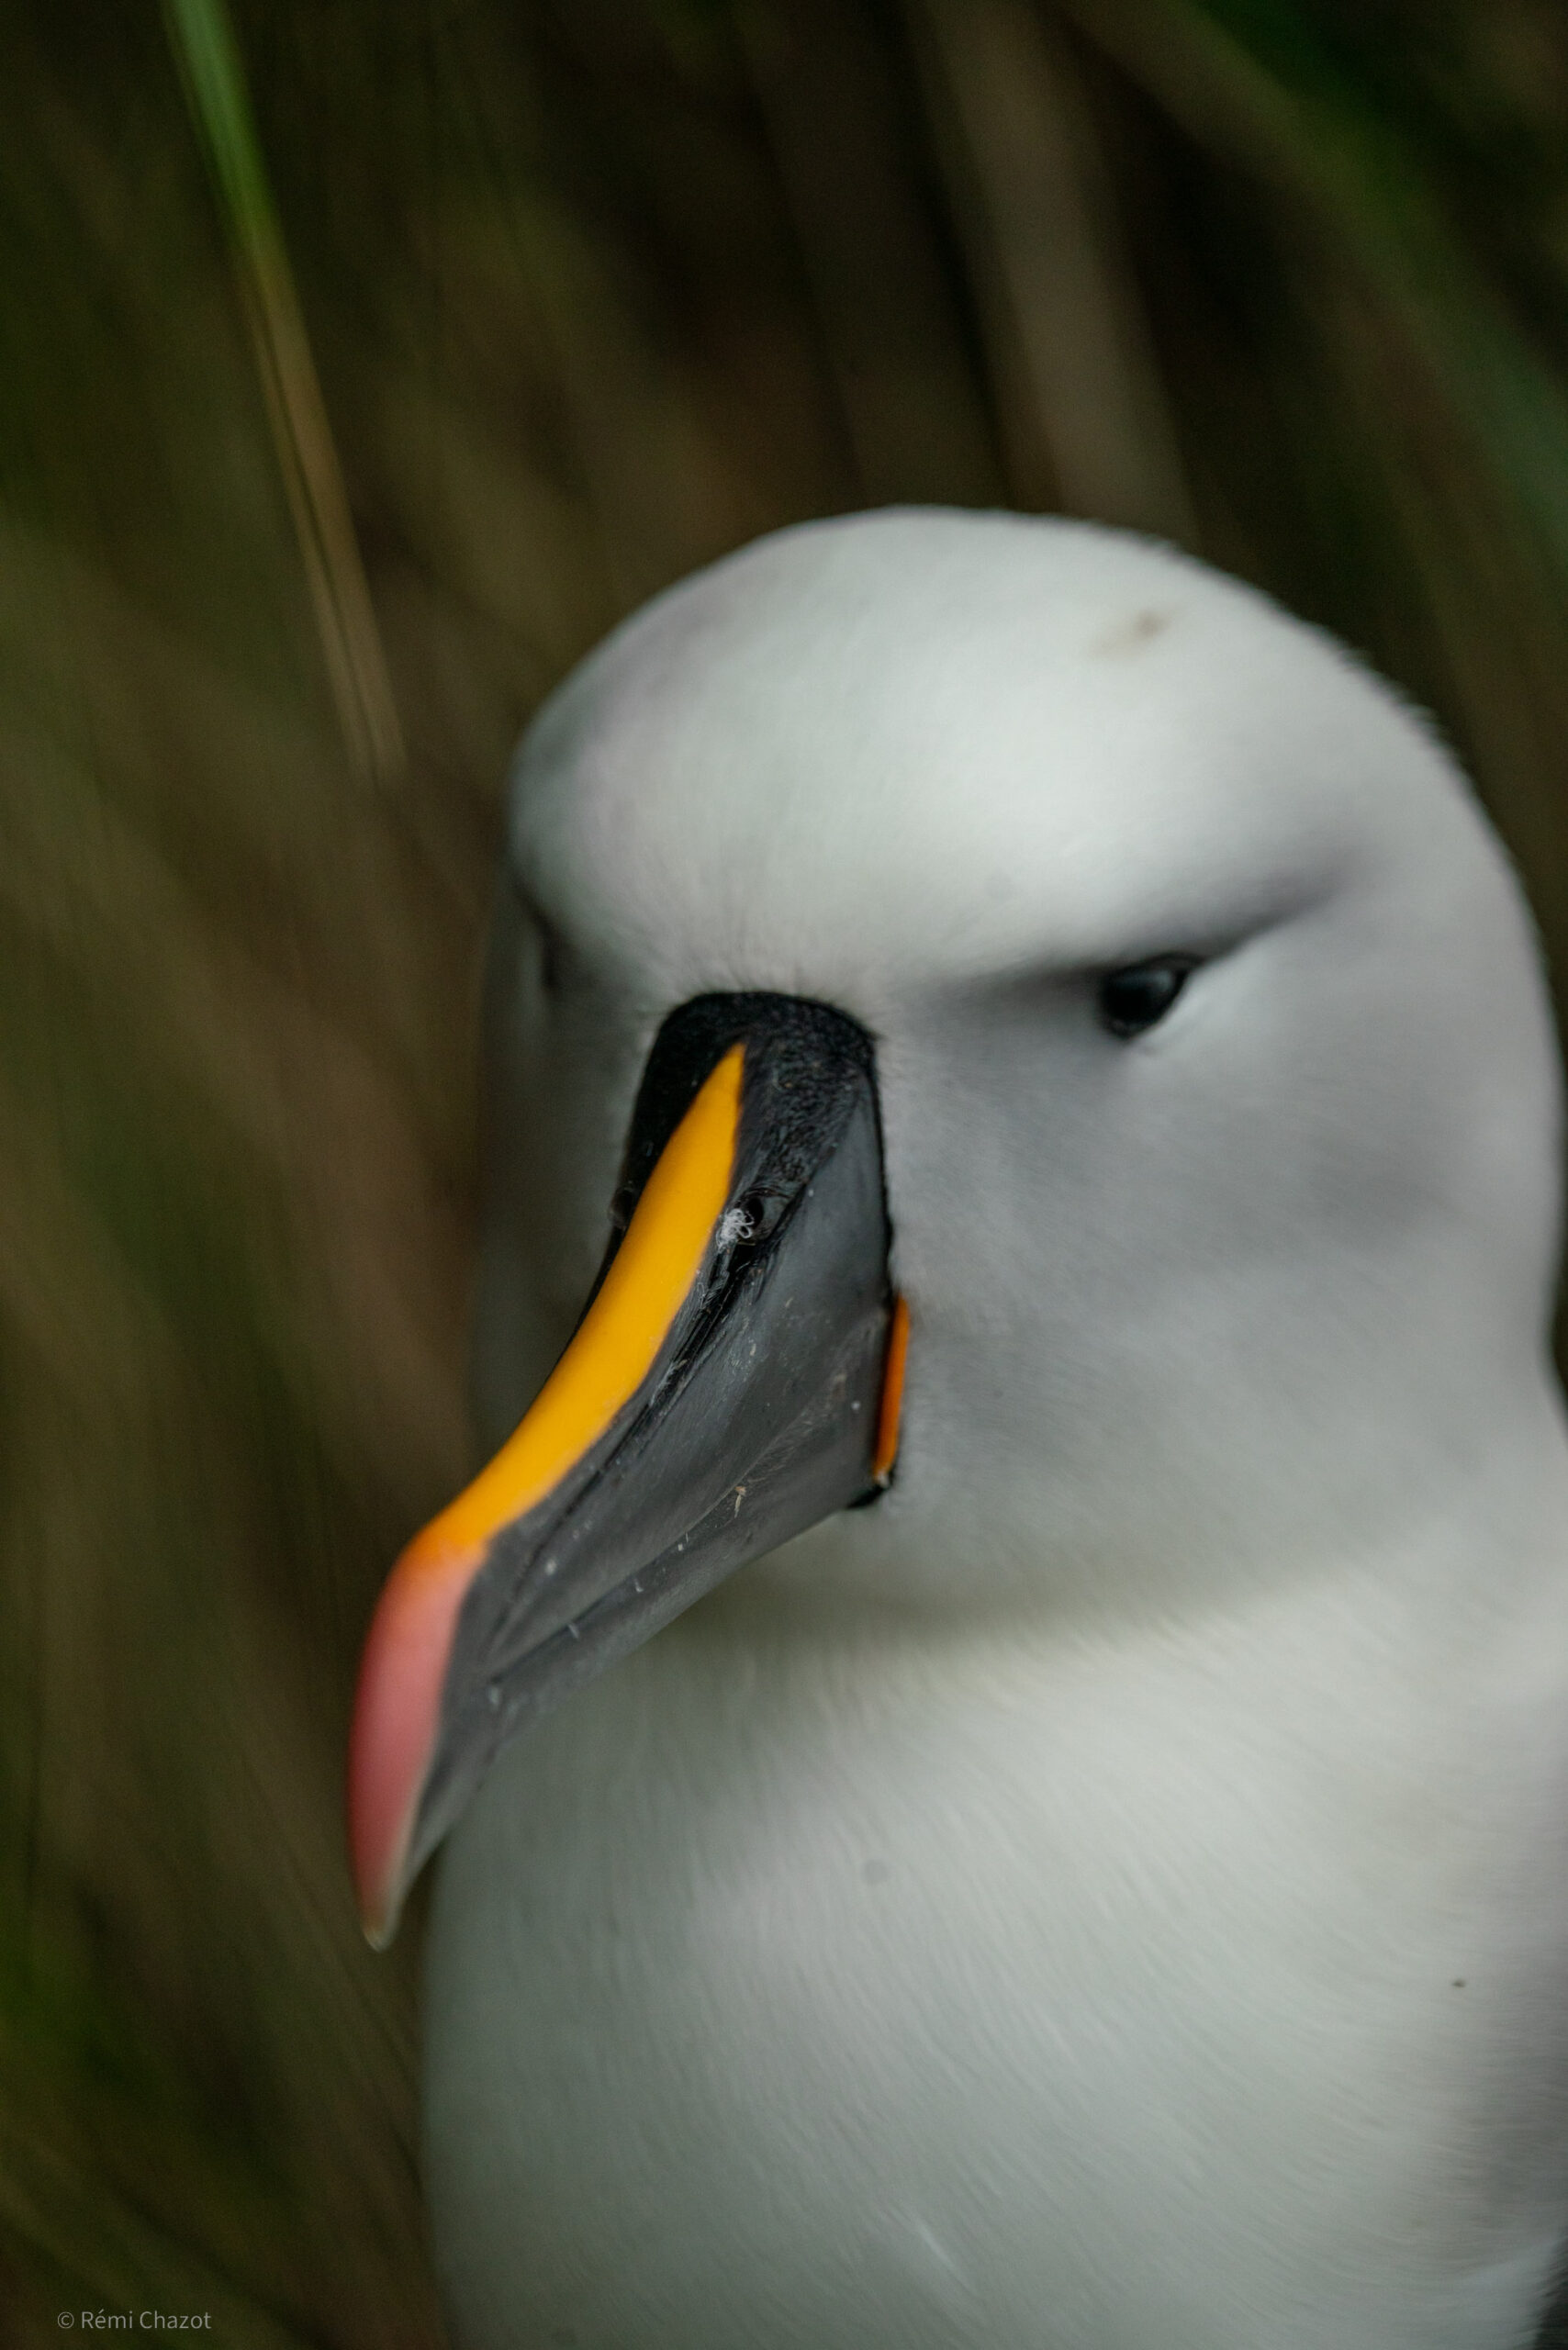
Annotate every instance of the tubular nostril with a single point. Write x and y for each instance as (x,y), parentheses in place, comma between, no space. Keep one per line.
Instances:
(751,1218)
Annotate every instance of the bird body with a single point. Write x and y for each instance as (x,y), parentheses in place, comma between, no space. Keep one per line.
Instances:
(1110,1891)
(1055,1987)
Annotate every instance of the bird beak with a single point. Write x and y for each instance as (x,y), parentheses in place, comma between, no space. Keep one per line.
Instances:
(735,1377)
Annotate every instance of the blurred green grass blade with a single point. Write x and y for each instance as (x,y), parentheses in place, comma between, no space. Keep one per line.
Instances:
(208,55)
(1384,189)
(1259,80)
(204,42)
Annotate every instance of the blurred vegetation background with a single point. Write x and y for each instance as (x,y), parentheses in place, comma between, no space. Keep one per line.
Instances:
(355,377)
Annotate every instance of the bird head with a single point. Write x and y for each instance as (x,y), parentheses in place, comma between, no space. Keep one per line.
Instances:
(1011,938)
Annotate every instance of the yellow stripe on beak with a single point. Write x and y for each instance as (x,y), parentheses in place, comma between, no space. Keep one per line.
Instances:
(399,1710)
(624,1329)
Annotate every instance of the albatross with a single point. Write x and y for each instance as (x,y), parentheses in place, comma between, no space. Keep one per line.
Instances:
(1023,1132)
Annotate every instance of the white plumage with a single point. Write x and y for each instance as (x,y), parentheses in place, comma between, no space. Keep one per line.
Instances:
(1112,1895)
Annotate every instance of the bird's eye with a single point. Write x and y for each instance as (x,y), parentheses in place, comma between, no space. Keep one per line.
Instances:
(1133,1000)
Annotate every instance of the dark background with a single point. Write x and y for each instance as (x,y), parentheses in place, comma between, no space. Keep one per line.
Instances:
(336,421)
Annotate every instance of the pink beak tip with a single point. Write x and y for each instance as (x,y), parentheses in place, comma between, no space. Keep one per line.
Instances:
(397,1720)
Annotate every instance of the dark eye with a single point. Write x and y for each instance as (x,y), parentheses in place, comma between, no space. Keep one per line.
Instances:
(1133,1000)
